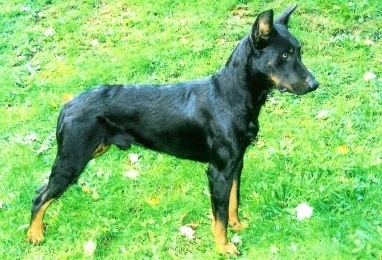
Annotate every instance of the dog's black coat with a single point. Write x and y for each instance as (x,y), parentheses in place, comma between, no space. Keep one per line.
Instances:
(210,120)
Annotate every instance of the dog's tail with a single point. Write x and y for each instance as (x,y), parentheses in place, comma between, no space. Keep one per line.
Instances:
(115,134)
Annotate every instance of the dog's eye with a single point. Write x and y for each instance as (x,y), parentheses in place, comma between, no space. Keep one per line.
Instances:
(285,55)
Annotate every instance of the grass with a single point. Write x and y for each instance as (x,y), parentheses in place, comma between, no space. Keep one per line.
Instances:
(51,50)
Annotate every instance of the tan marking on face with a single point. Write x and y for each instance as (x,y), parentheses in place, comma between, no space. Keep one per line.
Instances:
(277,82)
(35,232)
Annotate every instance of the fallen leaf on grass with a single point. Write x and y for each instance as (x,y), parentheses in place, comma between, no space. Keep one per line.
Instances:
(342,149)
(210,216)
(54,104)
(66,97)
(293,247)
(221,41)
(95,195)
(86,189)
(369,76)
(344,179)
(30,138)
(240,11)
(89,248)
(49,32)
(32,68)
(105,229)
(153,201)
(274,249)
(94,42)
(187,231)
(131,174)
(368,42)
(184,41)
(26,8)
(193,225)
(47,143)
(59,58)
(123,250)
(323,114)
(378,160)
(27,139)
(22,227)
(81,182)
(260,143)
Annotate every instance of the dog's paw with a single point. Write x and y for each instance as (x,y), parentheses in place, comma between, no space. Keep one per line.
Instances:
(227,249)
(35,235)
(238,225)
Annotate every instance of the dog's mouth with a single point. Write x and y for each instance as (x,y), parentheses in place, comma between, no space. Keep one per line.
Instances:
(297,89)
(283,89)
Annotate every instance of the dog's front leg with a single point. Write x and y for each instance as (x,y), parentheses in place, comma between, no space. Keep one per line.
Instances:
(220,182)
(234,198)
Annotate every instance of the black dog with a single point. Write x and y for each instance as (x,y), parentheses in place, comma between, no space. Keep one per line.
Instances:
(210,120)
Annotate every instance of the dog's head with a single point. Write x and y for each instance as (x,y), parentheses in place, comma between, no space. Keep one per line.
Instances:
(280,53)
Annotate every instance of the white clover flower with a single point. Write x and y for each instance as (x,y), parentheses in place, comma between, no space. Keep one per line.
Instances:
(323,114)
(187,232)
(94,42)
(131,174)
(369,76)
(89,248)
(368,42)
(133,158)
(236,239)
(49,32)
(304,211)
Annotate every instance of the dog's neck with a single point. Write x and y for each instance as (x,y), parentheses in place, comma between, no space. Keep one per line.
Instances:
(238,75)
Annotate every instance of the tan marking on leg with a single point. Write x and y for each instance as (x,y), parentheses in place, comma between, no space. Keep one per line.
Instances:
(100,150)
(223,246)
(233,218)
(36,230)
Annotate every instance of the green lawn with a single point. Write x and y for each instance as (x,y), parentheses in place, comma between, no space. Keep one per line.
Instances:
(324,148)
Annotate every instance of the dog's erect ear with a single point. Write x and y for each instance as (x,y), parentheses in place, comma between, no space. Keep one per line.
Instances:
(261,29)
(283,18)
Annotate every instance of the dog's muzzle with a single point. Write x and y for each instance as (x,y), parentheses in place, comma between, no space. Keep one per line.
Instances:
(300,88)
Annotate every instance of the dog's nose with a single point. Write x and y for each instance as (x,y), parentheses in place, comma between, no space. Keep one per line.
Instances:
(312,83)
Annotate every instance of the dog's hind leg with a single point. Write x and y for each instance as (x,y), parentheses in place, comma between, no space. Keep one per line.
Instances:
(65,171)
(76,146)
